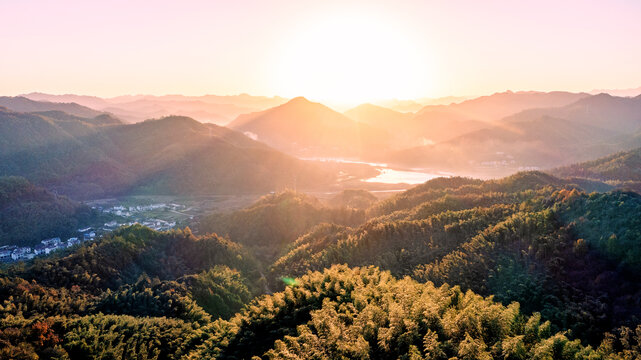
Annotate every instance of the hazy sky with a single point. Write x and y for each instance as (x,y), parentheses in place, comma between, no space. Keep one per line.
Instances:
(325,50)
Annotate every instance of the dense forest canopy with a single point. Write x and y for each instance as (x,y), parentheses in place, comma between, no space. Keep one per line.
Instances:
(621,170)
(525,267)
(276,220)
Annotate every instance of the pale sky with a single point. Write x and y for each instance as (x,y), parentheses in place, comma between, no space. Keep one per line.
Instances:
(324,50)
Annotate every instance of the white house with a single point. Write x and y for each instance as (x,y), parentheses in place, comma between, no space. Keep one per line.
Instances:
(72,241)
(5,251)
(52,241)
(22,253)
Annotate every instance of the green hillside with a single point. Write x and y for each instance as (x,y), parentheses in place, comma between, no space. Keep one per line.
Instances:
(84,158)
(526,267)
(29,213)
(621,170)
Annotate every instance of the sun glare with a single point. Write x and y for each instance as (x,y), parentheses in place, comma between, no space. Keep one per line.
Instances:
(354,59)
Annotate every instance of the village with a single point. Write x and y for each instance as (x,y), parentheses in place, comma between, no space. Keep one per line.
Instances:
(147,215)
(122,215)
(155,212)
(10,253)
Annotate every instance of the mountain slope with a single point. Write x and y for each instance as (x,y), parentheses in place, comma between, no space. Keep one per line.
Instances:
(501,149)
(339,313)
(434,124)
(275,221)
(494,107)
(21,131)
(407,129)
(23,104)
(310,129)
(414,281)
(146,108)
(174,155)
(531,238)
(363,313)
(617,114)
(136,108)
(29,214)
(591,127)
(622,170)
(376,115)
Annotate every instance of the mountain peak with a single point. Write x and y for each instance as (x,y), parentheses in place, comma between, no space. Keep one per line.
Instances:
(298,100)
(603,95)
(174,122)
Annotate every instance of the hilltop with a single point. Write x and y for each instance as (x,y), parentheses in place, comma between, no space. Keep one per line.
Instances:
(310,129)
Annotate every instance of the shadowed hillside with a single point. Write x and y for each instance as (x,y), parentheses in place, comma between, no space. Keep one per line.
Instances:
(275,221)
(84,159)
(29,213)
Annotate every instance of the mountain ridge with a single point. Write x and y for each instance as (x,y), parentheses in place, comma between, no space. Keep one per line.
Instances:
(309,129)
(147,157)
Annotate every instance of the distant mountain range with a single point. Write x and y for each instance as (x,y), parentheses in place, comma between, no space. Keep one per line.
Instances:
(368,131)
(136,108)
(618,114)
(23,104)
(172,155)
(418,104)
(494,107)
(492,135)
(632,92)
(589,127)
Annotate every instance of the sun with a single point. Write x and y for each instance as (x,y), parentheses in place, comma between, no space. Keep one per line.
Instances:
(351,58)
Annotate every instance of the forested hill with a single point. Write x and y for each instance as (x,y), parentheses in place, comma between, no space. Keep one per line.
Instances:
(530,238)
(88,158)
(621,170)
(526,267)
(275,221)
(29,213)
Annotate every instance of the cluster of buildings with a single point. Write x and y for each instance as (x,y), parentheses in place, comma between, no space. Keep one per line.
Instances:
(15,253)
(10,253)
(155,224)
(159,225)
(131,210)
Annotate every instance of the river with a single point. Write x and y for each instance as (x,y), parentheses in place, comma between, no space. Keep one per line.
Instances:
(389,175)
